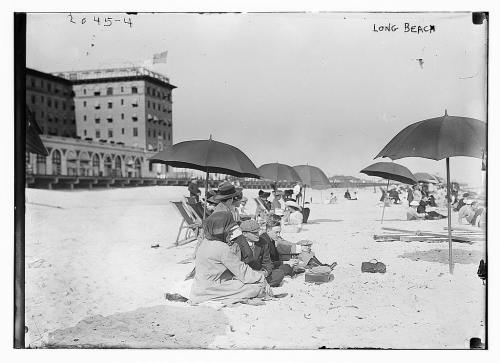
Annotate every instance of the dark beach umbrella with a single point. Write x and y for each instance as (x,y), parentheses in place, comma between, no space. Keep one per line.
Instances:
(390,171)
(209,156)
(439,138)
(279,172)
(426,178)
(312,177)
(33,142)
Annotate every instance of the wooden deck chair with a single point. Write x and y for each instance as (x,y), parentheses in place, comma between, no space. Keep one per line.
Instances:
(189,223)
(196,208)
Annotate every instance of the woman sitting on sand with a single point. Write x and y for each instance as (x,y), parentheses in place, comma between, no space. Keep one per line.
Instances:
(293,218)
(220,273)
(412,214)
(422,208)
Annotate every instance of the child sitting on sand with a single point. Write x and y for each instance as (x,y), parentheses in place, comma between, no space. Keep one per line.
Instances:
(412,214)
(293,218)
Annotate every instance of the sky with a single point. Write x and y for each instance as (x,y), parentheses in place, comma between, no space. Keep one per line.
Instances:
(295,88)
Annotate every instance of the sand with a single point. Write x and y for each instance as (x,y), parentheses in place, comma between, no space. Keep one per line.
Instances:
(92,279)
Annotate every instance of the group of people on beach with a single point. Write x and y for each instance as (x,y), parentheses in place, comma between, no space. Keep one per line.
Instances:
(241,256)
(423,204)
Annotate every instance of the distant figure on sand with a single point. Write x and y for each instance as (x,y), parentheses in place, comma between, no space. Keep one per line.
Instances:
(409,197)
(412,214)
(220,274)
(297,192)
(471,213)
(332,199)
(347,195)
(422,208)
(194,191)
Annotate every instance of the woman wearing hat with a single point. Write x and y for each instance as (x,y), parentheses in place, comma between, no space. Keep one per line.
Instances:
(220,273)
(293,218)
(412,214)
(225,196)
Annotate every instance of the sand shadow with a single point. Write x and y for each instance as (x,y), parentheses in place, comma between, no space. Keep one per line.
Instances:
(162,326)
(323,220)
(441,256)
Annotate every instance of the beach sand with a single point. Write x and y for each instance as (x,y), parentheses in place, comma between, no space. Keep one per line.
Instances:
(92,279)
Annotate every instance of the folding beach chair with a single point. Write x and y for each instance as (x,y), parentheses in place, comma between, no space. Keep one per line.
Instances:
(196,208)
(189,222)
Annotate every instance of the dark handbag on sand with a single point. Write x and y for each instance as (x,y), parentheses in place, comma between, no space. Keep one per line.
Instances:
(373,267)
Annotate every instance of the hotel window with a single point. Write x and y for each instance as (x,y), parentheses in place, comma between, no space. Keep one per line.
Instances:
(135,103)
(110,119)
(110,104)
(64,105)
(84,132)
(121,89)
(56,120)
(123,101)
(164,135)
(154,105)
(134,118)
(169,136)
(134,89)
(109,91)
(97,134)
(84,91)
(123,131)
(110,132)
(97,105)
(55,103)
(135,131)
(32,98)
(149,132)
(42,99)
(149,104)
(49,102)
(97,120)
(154,133)
(32,82)
(147,90)
(123,116)
(84,117)
(97,93)
(49,87)
(84,103)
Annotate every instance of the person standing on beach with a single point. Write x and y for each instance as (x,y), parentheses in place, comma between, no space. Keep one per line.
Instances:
(297,192)
(409,198)
(194,191)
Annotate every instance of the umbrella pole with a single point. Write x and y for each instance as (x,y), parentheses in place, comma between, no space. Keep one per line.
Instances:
(206,193)
(304,196)
(450,248)
(383,209)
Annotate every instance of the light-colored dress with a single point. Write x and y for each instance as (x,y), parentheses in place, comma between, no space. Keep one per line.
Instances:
(221,275)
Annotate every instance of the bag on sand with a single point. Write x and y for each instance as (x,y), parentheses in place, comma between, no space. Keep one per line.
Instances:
(373,266)
(319,275)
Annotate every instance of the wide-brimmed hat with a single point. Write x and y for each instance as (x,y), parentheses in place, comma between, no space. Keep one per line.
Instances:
(291,203)
(468,201)
(226,191)
(414,203)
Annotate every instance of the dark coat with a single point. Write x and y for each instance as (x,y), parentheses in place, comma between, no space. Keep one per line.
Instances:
(193,189)
(261,256)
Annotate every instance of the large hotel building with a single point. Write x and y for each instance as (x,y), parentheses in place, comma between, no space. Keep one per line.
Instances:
(103,122)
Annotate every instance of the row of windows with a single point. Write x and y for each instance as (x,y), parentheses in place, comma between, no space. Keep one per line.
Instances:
(150,91)
(48,86)
(56,132)
(110,91)
(64,121)
(135,132)
(134,119)
(97,105)
(50,103)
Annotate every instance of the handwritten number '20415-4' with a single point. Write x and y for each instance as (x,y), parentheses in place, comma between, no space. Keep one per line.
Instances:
(108,21)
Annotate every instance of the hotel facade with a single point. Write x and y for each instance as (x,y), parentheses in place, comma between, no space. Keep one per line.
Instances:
(100,123)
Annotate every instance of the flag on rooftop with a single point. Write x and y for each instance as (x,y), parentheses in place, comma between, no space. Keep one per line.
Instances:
(160,57)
